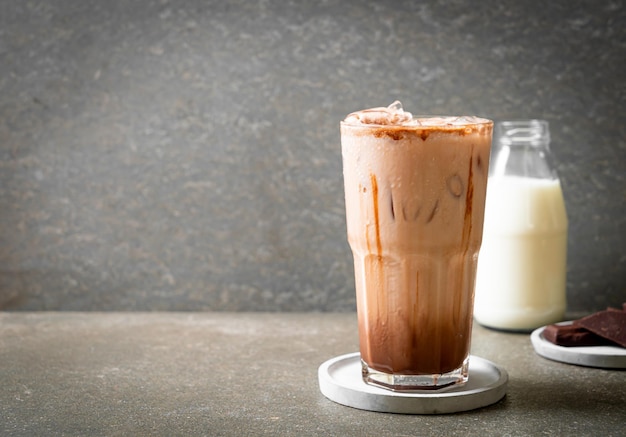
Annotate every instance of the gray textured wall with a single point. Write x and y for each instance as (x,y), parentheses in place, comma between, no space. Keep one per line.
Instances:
(184,155)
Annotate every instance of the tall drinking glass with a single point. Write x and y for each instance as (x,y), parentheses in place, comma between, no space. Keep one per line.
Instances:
(415,198)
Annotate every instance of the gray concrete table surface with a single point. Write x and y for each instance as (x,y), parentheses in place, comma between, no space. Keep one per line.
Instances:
(78,373)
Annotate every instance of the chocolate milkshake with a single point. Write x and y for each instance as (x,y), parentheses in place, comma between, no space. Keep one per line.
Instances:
(415,196)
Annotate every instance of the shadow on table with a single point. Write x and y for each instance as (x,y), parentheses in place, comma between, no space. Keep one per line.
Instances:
(584,396)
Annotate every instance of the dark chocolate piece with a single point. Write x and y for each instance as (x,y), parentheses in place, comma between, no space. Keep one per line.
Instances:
(571,335)
(607,324)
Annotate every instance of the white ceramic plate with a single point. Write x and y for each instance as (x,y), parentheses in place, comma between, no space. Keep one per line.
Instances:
(607,357)
(340,381)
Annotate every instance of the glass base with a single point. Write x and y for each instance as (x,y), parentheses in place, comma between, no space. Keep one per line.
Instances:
(396,382)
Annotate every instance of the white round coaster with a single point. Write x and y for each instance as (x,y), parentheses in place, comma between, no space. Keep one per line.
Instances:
(340,381)
(607,357)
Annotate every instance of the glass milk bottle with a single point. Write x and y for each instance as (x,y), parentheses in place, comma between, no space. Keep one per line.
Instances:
(520,283)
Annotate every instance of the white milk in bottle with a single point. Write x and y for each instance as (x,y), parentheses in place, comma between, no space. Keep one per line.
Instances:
(521,275)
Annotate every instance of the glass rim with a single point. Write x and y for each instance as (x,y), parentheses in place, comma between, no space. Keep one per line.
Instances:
(472,120)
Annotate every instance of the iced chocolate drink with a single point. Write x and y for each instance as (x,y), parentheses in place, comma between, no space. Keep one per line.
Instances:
(415,197)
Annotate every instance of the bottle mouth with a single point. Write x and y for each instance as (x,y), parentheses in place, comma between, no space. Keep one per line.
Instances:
(529,132)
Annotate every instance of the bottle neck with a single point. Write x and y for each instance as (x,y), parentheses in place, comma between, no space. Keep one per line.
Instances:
(521,148)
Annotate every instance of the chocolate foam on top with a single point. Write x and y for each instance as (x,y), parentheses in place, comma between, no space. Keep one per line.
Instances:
(395,115)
